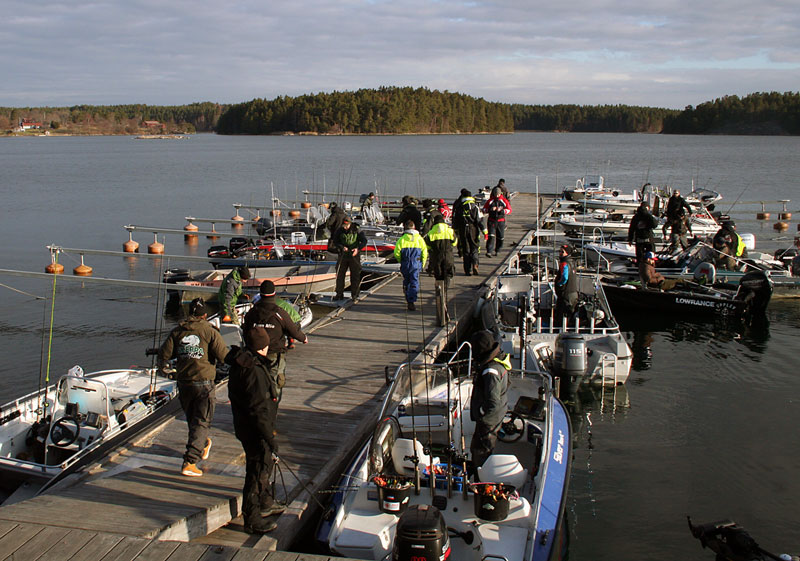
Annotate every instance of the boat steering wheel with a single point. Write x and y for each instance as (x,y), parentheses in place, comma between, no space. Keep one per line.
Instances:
(62,434)
(512,428)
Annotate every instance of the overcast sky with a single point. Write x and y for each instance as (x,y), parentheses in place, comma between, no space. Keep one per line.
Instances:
(664,53)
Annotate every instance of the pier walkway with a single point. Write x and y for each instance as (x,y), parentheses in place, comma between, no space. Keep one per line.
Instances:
(335,386)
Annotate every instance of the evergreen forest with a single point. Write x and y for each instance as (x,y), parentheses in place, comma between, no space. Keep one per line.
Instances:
(405,110)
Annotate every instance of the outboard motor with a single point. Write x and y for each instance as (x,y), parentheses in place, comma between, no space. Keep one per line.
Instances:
(421,535)
(237,243)
(264,225)
(219,251)
(571,361)
(755,288)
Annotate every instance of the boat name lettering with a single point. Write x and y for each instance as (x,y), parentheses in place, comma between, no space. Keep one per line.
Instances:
(558,455)
(694,302)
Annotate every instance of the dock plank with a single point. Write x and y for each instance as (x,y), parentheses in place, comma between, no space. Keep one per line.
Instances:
(188,552)
(17,538)
(39,543)
(67,546)
(127,549)
(157,551)
(97,547)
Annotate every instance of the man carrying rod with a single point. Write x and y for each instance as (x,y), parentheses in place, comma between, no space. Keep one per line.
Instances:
(254,403)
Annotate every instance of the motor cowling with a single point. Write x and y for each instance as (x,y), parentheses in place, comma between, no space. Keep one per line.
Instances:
(570,355)
(264,224)
(755,288)
(421,535)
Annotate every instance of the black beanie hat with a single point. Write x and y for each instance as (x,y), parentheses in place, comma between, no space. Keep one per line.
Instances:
(257,338)
(197,307)
(267,288)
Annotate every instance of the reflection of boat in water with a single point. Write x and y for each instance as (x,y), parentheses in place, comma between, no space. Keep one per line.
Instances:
(57,430)
(513,510)
(731,542)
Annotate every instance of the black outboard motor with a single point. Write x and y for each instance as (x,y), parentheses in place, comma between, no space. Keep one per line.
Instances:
(755,288)
(264,225)
(421,535)
(571,361)
(237,243)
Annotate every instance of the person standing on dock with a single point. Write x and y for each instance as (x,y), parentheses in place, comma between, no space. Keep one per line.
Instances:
(230,290)
(441,240)
(489,401)
(410,212)
(267,314)
(468,222)
(349,242)
(566,284)
(411,252)
(641,229)
(496,209)
(501,184)
(254,404)
(445,210)
(197,346)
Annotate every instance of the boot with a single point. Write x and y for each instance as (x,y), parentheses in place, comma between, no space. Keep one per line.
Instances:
(474,269)
(260,526)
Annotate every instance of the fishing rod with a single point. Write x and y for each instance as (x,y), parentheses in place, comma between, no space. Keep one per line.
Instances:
(414,457)
(746,187)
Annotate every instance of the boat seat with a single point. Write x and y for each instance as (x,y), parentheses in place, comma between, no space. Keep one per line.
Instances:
(402,450)
(503,468)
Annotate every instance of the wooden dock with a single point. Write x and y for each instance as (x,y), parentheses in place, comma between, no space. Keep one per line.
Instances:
(335,386)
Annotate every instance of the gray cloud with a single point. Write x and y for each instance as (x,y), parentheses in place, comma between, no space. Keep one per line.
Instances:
(666,53)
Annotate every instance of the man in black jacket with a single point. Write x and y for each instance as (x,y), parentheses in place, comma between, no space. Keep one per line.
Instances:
(641,229)
(254,402)
(410,212)
(266,313)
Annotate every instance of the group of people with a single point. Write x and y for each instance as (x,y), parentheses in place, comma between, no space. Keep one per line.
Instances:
(427,241)
(257,375)
(727,244)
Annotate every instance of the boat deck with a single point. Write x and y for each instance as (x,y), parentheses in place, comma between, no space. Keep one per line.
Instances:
(335,386)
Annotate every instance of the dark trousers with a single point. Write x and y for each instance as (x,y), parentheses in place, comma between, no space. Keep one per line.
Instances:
(643,247)
(257,492)
(353,264)
(197,401)
(497,232)
(483,443)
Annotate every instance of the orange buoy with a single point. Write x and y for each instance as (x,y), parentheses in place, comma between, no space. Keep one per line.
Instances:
(305,204)
(276,212)
(238,221)
(155,247)
(294,214)
(762,216)
(54,268)
(784,216)
(211,236)
(130,246)
(190,228)
(82,270)
(781,226)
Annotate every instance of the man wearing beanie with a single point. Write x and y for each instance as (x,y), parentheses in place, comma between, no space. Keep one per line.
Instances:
(196,345)
(254,401)
(266,313)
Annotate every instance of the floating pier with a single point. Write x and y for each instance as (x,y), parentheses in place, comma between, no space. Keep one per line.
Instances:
(136,498)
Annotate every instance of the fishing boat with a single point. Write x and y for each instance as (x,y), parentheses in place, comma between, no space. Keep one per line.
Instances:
(57,430)
(401,499)
(689,299)
(521,306)
(185,284)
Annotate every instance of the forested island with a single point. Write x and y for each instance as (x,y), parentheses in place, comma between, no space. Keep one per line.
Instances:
(405,110)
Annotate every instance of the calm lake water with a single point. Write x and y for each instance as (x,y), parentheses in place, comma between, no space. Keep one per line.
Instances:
(706,426)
